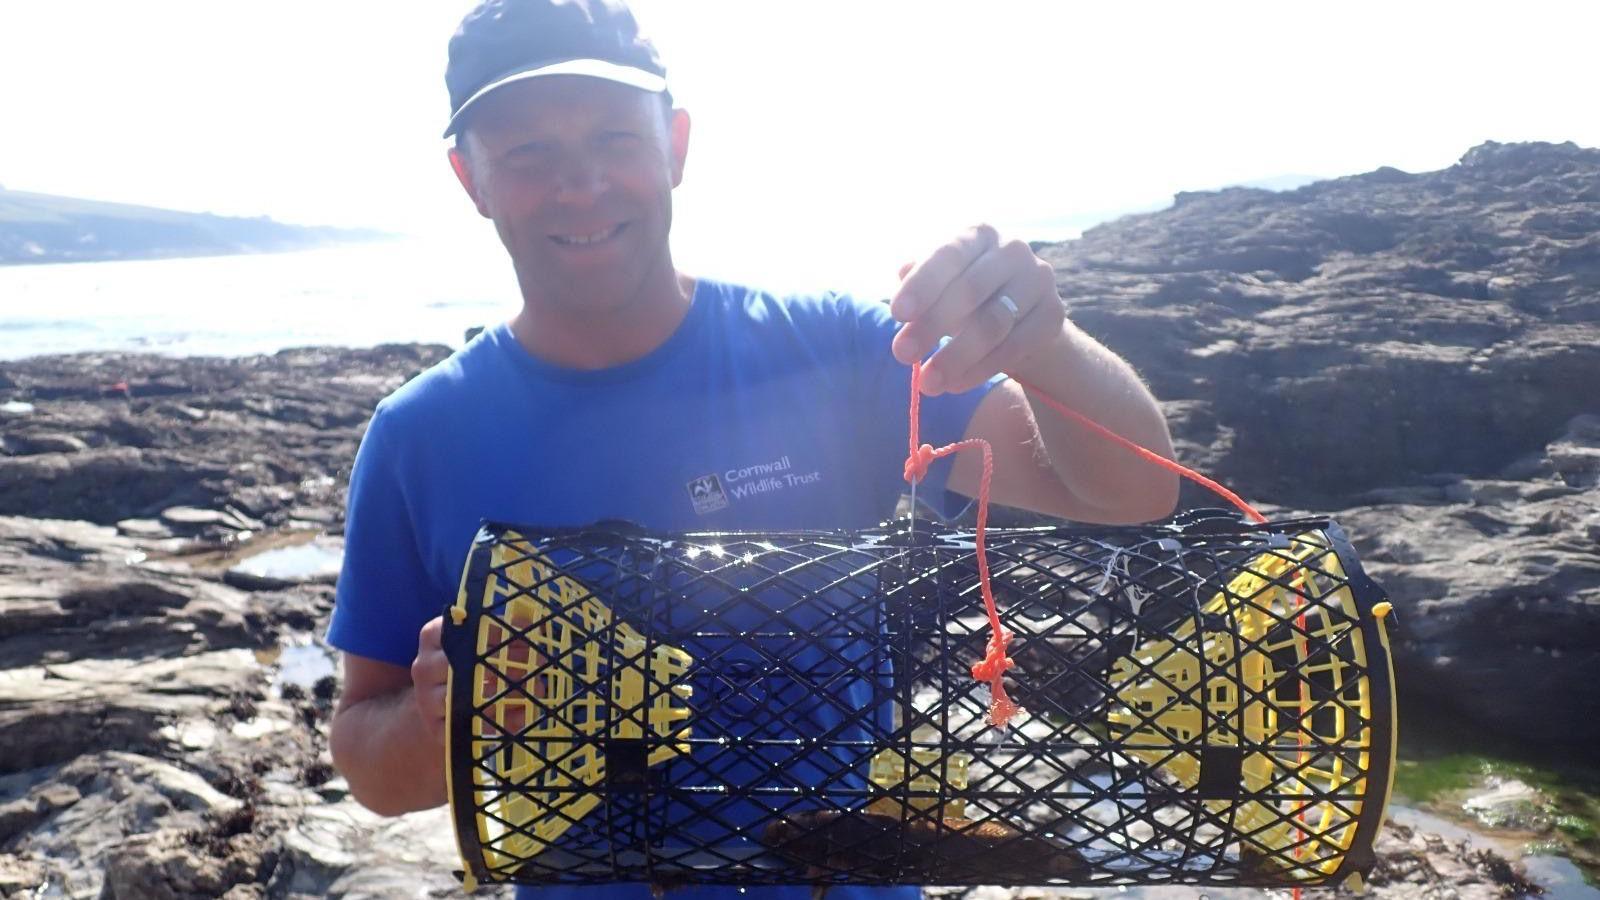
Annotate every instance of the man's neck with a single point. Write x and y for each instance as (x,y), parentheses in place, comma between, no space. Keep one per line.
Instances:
(557,334)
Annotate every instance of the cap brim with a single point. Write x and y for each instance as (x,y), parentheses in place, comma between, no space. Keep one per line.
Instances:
(591,68)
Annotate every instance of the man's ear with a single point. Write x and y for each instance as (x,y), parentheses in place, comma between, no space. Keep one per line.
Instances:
(680,144)
(458,162)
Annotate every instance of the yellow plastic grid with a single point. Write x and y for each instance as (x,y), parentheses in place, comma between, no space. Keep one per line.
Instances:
(1247,695)
(938,773)
(528,739)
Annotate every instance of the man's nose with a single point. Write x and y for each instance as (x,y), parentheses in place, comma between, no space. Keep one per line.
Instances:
(580,177)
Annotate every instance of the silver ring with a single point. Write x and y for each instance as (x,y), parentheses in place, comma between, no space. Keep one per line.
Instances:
(1010,305)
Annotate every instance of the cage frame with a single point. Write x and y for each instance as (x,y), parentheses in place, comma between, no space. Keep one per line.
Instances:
(892,538)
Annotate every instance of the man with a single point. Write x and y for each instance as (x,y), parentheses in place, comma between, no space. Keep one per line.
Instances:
(625,389)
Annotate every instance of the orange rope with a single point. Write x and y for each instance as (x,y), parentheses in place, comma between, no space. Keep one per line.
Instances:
(993,666)
(1162,461)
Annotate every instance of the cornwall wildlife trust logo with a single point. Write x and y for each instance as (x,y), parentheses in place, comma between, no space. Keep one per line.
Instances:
(707,495)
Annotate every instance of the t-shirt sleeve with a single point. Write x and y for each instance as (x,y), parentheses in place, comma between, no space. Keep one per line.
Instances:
(384,596)
(887,394)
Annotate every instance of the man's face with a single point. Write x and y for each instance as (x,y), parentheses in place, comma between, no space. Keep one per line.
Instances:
(577,174)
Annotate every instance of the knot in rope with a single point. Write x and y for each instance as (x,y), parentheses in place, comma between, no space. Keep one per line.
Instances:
(995,662)
(918,462)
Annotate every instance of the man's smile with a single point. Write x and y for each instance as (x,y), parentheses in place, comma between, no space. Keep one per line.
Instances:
(584,240)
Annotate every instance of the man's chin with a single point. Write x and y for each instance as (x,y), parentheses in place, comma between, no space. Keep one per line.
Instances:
(583,285)
(599,292)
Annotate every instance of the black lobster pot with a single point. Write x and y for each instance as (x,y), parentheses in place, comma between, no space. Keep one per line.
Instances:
(1208,702)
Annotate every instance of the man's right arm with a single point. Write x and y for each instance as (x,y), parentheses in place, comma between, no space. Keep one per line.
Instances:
(387,734)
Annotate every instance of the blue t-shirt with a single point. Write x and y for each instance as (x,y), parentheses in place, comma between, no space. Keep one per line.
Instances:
(758,413)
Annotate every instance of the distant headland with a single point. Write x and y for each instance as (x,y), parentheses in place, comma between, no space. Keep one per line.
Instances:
(43,228)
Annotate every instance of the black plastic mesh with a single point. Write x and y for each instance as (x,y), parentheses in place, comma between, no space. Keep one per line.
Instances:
(1208,702)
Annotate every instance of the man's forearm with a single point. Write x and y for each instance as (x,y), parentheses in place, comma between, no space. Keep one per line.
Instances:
(1083,375)
(384,751)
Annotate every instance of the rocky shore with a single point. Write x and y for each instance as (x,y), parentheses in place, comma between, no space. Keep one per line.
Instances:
(1420,355)
(1417,354)
(164,704)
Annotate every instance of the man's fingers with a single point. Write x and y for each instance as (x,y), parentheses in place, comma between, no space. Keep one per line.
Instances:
(984,331)
(954,309)
(1036,329)
(431,637)
(428,695)
(431,708)
(430,664)
(429,668)
(429,673)
(1017,318)
(925,281)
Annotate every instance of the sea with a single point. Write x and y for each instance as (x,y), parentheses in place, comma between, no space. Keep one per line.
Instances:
(355,295)
(352,295)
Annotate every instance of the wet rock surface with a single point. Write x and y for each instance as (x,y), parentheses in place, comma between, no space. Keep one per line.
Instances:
(204,446)
(1417,353)
(153,740)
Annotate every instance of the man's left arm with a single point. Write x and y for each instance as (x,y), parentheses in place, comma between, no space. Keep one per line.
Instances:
(997,302)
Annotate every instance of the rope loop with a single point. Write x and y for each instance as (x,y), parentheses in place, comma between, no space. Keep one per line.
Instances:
(995,662)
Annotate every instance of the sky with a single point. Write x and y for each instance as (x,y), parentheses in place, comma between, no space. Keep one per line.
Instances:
(840,136)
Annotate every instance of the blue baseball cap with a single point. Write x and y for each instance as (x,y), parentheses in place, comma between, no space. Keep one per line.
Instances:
(502,42)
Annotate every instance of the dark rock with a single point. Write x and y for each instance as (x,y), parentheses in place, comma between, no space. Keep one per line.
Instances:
(322,515)
(21,875)
(1394,345)
(1411,863)
(144,528)
(132,701)
(178,410)
(43,442)
(103,485)
(121,598)
(76,708)
(326,688)
(1339,346)
(189,517)
(261,433)
(18,816)
(249,581)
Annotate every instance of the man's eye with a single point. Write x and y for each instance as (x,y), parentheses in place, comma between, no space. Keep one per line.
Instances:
(533,151)
(619,139)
